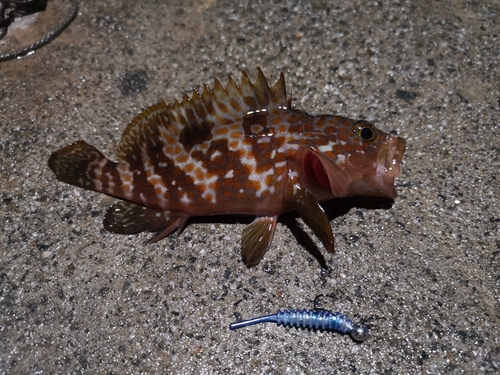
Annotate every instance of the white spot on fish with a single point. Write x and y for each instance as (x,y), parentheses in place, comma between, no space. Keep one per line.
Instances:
(215,154)
(250,162)
(209,193)
(185,199)
(326,148)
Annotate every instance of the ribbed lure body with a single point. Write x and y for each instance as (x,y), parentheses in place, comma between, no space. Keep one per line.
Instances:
(322,320)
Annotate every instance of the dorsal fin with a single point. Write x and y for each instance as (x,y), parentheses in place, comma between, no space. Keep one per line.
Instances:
(163,123)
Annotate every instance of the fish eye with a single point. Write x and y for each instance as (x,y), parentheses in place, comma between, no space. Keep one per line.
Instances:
(366,134)
(364,130)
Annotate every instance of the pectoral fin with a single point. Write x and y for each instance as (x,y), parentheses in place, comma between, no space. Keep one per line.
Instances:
(257,238)
(313,215)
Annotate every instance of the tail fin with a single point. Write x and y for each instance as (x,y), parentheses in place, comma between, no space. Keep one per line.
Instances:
(82,165)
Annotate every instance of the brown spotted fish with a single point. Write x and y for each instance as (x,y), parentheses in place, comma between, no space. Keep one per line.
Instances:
(241,149)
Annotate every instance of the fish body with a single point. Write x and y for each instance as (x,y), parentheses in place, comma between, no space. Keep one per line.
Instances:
(239,149)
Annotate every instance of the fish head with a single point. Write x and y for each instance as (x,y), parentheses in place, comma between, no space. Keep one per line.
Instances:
(379,161)
(358,159)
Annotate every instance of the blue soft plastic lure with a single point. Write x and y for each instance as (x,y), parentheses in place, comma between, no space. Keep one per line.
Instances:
(323,320)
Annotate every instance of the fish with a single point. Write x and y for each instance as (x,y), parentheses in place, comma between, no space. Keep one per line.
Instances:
(234,150)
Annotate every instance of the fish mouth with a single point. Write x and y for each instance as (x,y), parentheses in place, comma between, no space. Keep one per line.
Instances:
(389,165)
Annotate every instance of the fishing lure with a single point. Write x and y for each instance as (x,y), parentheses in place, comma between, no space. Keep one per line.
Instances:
(323,320)
(234,150)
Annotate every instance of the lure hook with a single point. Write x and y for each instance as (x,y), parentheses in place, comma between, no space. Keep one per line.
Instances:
(315,302)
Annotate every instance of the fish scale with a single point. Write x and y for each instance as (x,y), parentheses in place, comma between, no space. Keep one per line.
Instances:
(238,149)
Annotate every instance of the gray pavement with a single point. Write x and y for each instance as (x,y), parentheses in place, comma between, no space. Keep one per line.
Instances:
(424,273)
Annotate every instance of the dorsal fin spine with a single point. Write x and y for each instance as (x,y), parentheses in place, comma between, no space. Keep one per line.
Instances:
(234,93)
(198,105)
(207,100)
(279,91)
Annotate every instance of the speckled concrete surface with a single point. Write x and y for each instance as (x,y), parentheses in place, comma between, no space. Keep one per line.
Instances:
(424,272)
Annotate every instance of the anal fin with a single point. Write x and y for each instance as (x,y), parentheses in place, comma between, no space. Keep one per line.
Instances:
(130,218)
(257,238)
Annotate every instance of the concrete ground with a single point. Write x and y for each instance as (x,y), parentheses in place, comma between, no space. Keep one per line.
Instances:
(424,274)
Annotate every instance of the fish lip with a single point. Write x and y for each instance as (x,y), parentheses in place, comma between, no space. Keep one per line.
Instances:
(389,163)
(391,156)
